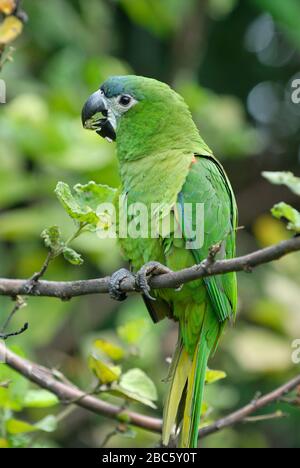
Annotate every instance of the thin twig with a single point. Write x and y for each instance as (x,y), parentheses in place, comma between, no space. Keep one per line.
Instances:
(17,333)
(66,413)
(6,55)
(109,436)
(291,401)
(67,290)
(31,285)
(33,281)
(52,254)
(266,417)
(20,304)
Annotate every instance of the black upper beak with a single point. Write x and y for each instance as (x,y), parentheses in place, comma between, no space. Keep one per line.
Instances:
(94,105)
(94,116)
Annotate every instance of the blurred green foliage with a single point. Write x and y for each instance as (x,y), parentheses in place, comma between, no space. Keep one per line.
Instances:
(233,61)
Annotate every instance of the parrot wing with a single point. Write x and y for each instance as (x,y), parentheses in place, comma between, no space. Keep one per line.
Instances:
(207,184)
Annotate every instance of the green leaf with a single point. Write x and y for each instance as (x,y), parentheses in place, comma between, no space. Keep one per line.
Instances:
(287,212)
(213,376)
(124,417)
(72,256)
(4,443)
(104,372)
(12,397)
(93,194)
(75,209)
(52,238)
(10,29)
(116,353)
(40,399)
(48,424)
(83,203)
(136,380)
(136,385)
(15,426)
(284,178)
(9,400)
(131,332)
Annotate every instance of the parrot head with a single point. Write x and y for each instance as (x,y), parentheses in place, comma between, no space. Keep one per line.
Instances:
(138,113)
(104,109)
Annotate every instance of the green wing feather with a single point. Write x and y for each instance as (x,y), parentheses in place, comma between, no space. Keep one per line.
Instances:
(208,184)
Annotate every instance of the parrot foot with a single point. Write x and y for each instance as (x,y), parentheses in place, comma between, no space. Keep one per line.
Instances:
(146,273)
(115,282)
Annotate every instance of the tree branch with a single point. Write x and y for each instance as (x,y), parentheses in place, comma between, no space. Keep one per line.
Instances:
(256,404)
(67,290)
(69,393)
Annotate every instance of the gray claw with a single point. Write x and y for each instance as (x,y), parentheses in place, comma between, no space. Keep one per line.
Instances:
(115,283)
(146,273)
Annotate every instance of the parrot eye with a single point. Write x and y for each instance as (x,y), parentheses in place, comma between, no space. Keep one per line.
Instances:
(125,100)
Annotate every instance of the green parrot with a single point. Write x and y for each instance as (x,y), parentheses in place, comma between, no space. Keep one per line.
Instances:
(165,163)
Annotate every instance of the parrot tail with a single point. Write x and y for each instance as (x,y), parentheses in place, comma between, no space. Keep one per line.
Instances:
(182,411)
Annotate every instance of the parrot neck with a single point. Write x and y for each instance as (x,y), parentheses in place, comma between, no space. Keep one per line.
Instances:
(159,129)
(155,147)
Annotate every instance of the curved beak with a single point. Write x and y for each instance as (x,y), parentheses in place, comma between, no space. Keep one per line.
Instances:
(93,106)
(95,116)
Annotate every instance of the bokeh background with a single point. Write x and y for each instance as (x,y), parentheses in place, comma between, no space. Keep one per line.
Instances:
(234,62)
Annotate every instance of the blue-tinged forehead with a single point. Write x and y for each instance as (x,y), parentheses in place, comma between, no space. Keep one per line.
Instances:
(117,85)
(139,87)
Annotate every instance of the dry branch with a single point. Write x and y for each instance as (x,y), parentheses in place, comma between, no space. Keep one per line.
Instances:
(67,290)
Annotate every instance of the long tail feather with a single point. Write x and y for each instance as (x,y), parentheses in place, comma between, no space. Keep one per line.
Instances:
(184,402)
(180,368)
(194,397)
